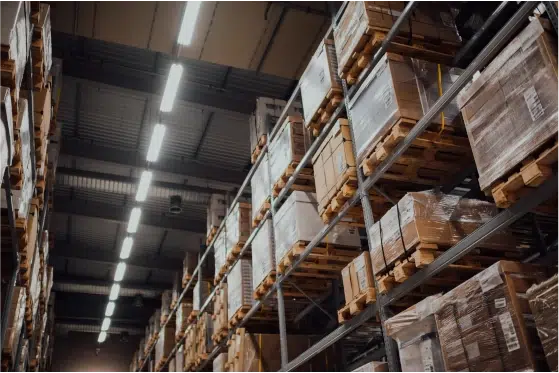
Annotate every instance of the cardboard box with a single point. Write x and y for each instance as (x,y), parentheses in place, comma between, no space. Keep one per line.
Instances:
(260,187)
(543,303)
(239,287)
(320,77)
(216,211)
(181,319)
(263,255)
(221,308)
(510,110)
(357,277)
(179,359)
(220,252)
(6,144)
(165,343)
(431,21)
(200,293)
(373,366)
(428,217)
(16,315)
(238,225)
(219,362)
(189,264)
(166,298)
(398,87)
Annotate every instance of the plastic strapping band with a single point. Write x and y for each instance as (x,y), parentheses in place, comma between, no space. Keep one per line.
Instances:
(400,229)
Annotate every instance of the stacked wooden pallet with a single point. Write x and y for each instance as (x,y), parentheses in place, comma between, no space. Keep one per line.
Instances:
(220,319)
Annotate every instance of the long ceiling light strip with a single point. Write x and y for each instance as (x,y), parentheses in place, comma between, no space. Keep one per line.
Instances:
(185,37)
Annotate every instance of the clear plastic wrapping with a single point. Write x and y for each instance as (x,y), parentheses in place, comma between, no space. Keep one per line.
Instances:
(510,110)
(220,251)
(45,26)
(289,145)
(179,360)
(373,366)
(238,225)
(204,331)
(398,87)
(415,331)
(298,220)
(543,303)
(216,211)
(431,20)
(485,324)
(263,254)
(6,144)
(219,362)
(265,117)
(357,277)
(260,186)
(434,218)
(16,34)
(220,317)
(16,315)
(239,287)
(319,78)
(201,292)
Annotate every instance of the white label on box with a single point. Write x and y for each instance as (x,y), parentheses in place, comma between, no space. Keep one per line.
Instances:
(360,270)
(426,347)
(387,97)
(465,322)
(533,102)
(472,351)
(500,303)
(510,333)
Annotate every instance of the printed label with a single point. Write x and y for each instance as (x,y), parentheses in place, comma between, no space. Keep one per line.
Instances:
(472,351)
(361,274)
(427,355)
(387,97)
(500,303)
(510,333)
(533,102)
(465,322)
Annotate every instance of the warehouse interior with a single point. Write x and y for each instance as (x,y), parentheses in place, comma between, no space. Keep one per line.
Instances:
(221,186)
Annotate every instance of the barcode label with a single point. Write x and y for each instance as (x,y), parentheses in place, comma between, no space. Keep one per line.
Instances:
(508,330)
(500,303)
(533,102)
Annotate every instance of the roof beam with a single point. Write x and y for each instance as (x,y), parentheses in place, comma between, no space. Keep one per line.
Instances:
(132,158)
(85,285)
(119,214)
(86,252)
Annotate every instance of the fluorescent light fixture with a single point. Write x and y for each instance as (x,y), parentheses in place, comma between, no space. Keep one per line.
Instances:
(143,187)
(189,22)
(126,247)
(171,88)
(134,220)
(155,142)
(119,273)
(115,289)
(102,337)
(106,323)
(110,309)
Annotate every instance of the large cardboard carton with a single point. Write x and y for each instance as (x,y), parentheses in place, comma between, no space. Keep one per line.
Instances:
(165,343)
(263,255)
(239,287)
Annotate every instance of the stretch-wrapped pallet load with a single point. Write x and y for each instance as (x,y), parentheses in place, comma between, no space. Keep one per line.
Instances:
(177,288)
(16,38)
(42,48)
(373,366)
(16,316)
(298,220)
(190,348)
(216,211)
(510,110)
(166,298)
(164,343)
(220,317)
(6,143)
(239,287)
(415,331)
(179,359)
(265,117)
(238,227)
(321,87)
(287,148)
(200,293)
(263,255)
(333,164)
(364,24)
(181,320)
(188,266)
(260,190)
(431,218)
(357,278)
(398,90)
(204,331)
(219,362)
(543,303)
(34,289)
(42,107)
(220,254)
(485,324)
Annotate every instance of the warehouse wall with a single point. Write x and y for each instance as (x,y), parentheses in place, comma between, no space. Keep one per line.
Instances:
(76,352)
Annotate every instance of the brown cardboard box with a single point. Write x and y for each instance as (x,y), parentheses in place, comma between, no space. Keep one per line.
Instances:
(165,342)
(510,110)
(346,280)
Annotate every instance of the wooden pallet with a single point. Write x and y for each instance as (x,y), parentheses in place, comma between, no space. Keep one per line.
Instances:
(221,273)
(265,285)
(325,261)
(432,159)
(304,181)
(235,251)
(219,335)
(419,47)
(329,104)
(193,315)
(159,365)
(262,141)
(423,254)
(211,234)
(238,316)
(186,278)
(532,172)
(262,210)
(358,304)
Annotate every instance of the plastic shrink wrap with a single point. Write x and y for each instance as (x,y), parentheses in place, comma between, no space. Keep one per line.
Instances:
(179,359)
(216,211)
(373,366)
(260,187)
(434,218)
(298,220)
(398,88)
(16,315)
(219,362)
(543,303)
(239,287)
(357,277)
(415,331)
(166,298)
(181,319)
(220,252)
(485,324)
(44,25)
(510,110)
(177,287)
(263,255)
(431,21)
(200,293)
(6,143)
(204,331)
(165,343)
(220,317)
(188,266)
(288,146)
(319,79)
(237,226)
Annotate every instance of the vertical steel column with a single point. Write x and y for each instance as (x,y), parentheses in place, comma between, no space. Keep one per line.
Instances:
(272,242)
(200,291)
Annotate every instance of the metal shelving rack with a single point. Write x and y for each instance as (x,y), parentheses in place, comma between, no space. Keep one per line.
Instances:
(502,220)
